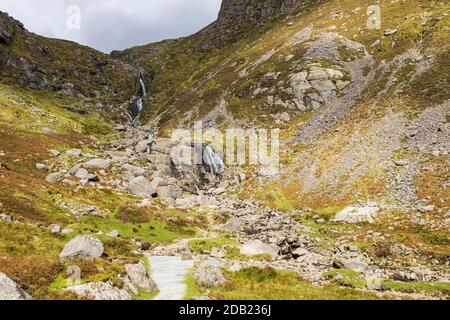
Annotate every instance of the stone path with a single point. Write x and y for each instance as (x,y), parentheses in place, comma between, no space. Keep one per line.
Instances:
(169,273)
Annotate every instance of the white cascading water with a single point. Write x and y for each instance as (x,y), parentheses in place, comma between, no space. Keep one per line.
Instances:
(213,160)
(144,91)
(139,103)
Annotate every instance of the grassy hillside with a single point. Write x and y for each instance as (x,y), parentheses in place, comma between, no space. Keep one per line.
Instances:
(65,67)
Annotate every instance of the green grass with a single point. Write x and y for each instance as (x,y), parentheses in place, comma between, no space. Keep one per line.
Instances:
(21,240)
(350,278)
(191,287)
(439,288)
(329,212)
(145,295)
(234,253)
(205,246)
(432,237)
(228,245)
(155,231)
(256,284)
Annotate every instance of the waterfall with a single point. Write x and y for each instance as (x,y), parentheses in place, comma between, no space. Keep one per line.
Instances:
(138,104)
(210,157)
(213,160)
(143,90)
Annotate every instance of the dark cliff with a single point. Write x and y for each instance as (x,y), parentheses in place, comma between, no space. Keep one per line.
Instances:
(237,17)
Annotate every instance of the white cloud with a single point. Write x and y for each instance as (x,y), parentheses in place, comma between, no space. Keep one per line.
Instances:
(115,24)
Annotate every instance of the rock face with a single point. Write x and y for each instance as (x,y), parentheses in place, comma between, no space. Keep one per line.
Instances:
(209,276)
(357,214)
(197,171)
(82,247)
(200,171)
(137,278)
(9,290)
(256,247)
(235,15)
(171,191)
(8,27)
(316,86)
(100,291)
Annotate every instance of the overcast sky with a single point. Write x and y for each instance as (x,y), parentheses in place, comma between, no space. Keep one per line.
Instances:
(113,24)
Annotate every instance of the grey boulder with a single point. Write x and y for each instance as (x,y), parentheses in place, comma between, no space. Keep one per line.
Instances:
(256,247)
(82,247)
(54,177)
(170,191)
(100,291)
(142,187)
(103,164)
(208,275)
(9,290)
(137,278)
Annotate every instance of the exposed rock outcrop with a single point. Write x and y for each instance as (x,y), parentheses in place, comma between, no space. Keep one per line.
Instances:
(100,291)
(8,27)
(209,276)
(236,15)
(137,278)
(9,290)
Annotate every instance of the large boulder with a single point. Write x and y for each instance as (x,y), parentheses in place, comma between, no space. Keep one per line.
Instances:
(353,214)
(101,164)
(82,247)
(9,290)
(134,170)
(171,191)
(83,174)
(54,177)
(76,153)
(208,275)
(256,247)
(142,187)
(119,156)
(196,166)
(100,291)
(137,278)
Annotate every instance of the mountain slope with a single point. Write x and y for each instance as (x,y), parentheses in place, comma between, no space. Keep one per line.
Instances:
(380,79)
(64,67)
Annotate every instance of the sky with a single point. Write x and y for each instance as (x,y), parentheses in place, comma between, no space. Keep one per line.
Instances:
(108,25)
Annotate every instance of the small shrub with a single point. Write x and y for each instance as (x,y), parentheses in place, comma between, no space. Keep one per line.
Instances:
(133,215)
